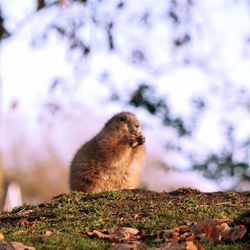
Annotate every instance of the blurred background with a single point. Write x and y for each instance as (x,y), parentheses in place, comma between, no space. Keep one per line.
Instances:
(182,66)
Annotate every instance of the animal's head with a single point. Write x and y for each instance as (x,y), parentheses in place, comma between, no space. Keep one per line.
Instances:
(125,122)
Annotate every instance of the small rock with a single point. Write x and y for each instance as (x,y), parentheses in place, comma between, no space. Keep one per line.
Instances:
(1,237)
(48,233)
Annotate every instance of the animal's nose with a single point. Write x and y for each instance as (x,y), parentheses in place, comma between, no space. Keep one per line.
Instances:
(138,128)
(135,128)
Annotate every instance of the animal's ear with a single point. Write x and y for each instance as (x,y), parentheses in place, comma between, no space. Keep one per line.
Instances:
(123,118)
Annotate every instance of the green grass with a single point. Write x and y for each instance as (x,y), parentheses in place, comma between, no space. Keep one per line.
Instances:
(68,217)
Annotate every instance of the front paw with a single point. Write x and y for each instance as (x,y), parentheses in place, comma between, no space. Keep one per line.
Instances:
(136,140)
(141,140)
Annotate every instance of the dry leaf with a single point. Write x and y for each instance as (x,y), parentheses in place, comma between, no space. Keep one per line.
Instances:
(14,245)
(166,234)
(1,237)
(105,220)
(98,234)
(223,227)
(205,227)
(123,234)
(123,246)
(212,229)
(190,246)
(178,246)
(185,237)
(24,222)
(235,233)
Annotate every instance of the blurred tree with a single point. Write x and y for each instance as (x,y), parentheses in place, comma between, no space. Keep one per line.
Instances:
(154,38)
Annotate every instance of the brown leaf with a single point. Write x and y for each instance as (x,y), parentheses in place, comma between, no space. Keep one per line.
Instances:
(24,222)
(128,230)
(123,246)
(175,235)
(105,220)
(185,237)
(99,234)
(175,245)
(190,246)
(212,229)
(188,236)
(235,233)
(205,227)
(166,234)
(223,227)
(123,234)
(1,237)
(184,228)
(14,245)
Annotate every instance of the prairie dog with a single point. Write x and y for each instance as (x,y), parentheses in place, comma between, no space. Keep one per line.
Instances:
(112,159)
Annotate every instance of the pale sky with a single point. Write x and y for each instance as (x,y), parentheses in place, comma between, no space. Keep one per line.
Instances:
(27,71)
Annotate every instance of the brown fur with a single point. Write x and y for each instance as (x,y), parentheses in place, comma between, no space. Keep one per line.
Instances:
(112,159)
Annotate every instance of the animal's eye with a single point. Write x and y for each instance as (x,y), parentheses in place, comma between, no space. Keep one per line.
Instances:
(123,119)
